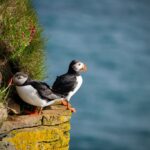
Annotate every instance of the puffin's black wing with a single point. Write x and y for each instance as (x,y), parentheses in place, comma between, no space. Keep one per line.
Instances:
(64,84)
(44,90)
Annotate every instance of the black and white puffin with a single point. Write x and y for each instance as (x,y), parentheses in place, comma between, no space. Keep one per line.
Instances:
(33,92)
(69,83)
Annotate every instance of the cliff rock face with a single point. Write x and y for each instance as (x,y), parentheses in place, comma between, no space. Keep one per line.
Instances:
(48,131)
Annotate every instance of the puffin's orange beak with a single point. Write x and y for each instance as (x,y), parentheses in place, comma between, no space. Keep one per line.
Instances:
(84,68)
(10,82)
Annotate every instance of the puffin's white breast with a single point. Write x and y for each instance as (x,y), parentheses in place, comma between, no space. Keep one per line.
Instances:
(30,95)
(79,81)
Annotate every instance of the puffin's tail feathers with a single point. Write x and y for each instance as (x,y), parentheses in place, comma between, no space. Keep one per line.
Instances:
(53,101)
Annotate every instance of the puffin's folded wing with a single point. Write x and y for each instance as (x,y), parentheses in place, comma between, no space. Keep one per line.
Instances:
(44,90)
(64,84)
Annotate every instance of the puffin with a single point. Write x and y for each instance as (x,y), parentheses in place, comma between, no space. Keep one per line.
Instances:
(34,92)
(69,83)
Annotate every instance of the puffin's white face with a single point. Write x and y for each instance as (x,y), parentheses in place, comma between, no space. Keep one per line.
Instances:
(79,67)
(20,78)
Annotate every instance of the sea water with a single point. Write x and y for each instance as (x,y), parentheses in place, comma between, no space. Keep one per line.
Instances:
(113,38)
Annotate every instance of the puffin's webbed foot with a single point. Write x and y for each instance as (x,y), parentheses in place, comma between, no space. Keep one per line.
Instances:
(66,103)
(72,109)
(28,112)
(35,111)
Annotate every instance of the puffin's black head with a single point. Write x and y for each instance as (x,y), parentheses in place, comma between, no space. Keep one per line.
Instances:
(20,78)
(77,67)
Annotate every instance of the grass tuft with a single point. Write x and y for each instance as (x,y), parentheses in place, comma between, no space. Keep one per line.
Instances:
(20,40)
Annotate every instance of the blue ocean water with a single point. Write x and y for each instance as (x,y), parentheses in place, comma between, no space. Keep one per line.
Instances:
(113,38)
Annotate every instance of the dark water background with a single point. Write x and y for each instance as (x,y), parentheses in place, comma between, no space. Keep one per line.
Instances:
(113,38)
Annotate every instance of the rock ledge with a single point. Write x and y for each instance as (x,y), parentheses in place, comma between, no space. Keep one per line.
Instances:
(48,131)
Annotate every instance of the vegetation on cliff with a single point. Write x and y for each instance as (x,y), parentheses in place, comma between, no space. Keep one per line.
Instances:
(21,49)
(21,43)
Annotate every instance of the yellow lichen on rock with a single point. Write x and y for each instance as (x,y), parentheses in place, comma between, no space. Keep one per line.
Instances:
(38,138)
(51,134)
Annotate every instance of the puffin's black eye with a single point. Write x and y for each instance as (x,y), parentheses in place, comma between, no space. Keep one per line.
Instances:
(79,64)
(19,77)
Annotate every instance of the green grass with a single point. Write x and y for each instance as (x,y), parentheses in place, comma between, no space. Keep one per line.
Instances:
(2,95)
(4,91)
(20,39)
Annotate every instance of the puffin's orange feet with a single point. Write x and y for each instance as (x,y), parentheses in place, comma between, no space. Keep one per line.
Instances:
(27,112)
(34,112)
(72,109)
(65,102)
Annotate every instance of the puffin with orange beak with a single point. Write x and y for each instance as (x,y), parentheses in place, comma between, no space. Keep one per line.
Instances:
(69,83)
(39,94)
